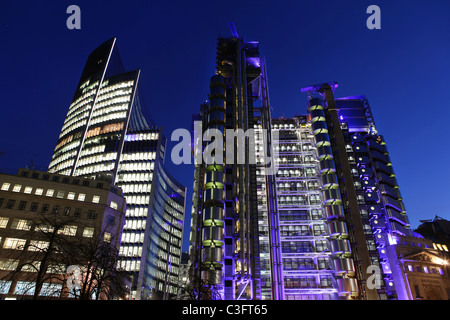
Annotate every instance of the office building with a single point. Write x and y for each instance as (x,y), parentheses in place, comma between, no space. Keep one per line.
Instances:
(50,223)
(107,135)
(312,211)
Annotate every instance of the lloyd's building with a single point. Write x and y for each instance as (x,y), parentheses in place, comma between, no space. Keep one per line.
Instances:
(107,137)
(323,225)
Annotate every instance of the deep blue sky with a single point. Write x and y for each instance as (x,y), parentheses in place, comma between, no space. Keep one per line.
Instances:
(403,69)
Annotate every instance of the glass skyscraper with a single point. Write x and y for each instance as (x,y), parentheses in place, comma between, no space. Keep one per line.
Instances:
(321,224)
(106,136)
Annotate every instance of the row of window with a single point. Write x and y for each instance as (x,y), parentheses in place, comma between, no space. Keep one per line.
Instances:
(28,287)
(45,208)
(307,282)
(38,245)
(425,269)
(51,193)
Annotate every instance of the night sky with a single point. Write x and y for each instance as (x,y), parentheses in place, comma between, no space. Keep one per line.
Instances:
(402,68)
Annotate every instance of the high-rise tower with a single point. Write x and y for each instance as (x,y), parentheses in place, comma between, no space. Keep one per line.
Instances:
(322,223)
(224,250)
(106,136)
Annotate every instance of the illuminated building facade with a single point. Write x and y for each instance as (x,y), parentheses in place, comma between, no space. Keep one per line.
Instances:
(322,226)
(107,136)
(39,211)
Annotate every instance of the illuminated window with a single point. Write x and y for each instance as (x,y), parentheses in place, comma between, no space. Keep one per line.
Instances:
(88,232)
(5,186)
(107,237)
(68,230)
(51,289)
(113,205)
(50,193)
(31,266)
(3,222)
(28,189)
(25,288)
(20,224)
(71,195)
(17,188)
(14,243)
(60,194)
(96,199)
(81,197)
(8,264)
(39,191)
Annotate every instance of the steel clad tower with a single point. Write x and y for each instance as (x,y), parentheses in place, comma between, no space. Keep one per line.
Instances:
(322,224)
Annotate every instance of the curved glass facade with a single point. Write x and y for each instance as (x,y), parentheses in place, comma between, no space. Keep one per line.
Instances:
(106,136)
(165,237)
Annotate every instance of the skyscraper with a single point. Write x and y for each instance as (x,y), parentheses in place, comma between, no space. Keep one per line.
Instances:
(107,136)
(320,225)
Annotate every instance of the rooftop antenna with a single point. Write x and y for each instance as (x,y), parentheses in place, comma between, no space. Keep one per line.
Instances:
(233,30)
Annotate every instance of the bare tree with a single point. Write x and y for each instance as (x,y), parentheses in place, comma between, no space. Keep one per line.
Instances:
(100,277)
(51,249)
(198,288)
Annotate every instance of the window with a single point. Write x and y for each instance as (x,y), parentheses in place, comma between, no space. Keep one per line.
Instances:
(5,186)
(51,289)
(77,212)
(10,204)
(60,194)
(28,189)
(107,237)
(21,224)
(4,286)
(56,209)
(14,243)
(43,227)
(44,208)
(25,288)
(3,222)
(114,205)
(96,199)
(111,220)
(66,211)
(39,191)
(88,232)
(416,289)
(9,264)
(81,197)
(34,206)
(31,266)
(50,193)
(68,230)
(92,214)
(71,195)
(17,188)
(22,205)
